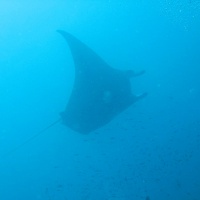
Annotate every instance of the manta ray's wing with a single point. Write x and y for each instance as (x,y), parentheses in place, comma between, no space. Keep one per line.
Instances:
(99,92)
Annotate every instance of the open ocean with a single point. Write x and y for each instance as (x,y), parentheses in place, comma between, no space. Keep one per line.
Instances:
(151,151)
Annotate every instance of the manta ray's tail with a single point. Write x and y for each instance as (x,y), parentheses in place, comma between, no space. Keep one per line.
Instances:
(32,138)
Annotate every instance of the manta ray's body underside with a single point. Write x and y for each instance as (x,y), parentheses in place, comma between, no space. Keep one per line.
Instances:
(100,92)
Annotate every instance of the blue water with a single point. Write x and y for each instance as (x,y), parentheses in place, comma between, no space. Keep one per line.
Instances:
(150,151)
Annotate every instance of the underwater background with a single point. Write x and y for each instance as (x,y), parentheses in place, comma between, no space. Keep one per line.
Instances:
(149,152)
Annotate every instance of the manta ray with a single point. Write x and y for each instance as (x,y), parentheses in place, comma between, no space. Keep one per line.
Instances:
(100,92)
